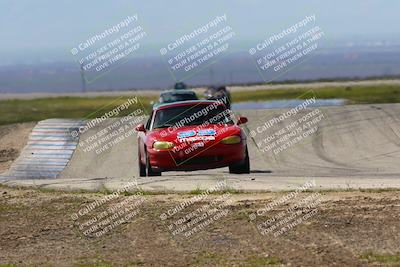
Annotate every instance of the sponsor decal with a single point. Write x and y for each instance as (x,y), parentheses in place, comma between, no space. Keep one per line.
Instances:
(186,134)
(197,138)
(206,132)
(202,135)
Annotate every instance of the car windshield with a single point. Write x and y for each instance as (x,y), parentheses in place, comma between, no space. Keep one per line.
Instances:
(167,98)
(199,114)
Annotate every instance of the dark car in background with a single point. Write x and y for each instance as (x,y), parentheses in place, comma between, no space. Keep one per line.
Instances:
(176,96)
(218,93)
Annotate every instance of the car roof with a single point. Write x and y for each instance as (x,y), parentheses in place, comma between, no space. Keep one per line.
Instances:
(185,103)
(178,92)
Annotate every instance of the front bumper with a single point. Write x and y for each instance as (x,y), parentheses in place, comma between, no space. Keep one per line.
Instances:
(214,156)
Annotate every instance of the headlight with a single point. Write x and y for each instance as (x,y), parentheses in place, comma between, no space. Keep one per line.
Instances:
(163,145)
(230,140)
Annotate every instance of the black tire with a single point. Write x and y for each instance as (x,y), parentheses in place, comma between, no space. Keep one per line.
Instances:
(243,167)
(142,167)
(150,171)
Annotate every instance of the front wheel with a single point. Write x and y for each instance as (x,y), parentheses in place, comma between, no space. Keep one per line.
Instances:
(150,171)
(142,167)
(243,167)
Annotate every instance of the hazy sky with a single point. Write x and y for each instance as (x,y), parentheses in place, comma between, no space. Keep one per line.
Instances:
(58,25)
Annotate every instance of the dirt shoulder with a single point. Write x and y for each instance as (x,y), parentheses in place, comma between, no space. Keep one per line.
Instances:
(13,139)
(53,229)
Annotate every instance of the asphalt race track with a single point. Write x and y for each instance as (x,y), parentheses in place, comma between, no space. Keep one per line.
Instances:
(354,146)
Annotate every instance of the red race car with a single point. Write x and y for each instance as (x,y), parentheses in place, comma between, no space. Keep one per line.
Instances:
(192,135)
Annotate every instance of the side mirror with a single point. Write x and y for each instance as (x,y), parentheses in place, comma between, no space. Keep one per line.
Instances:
(242,120)
(140,128)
